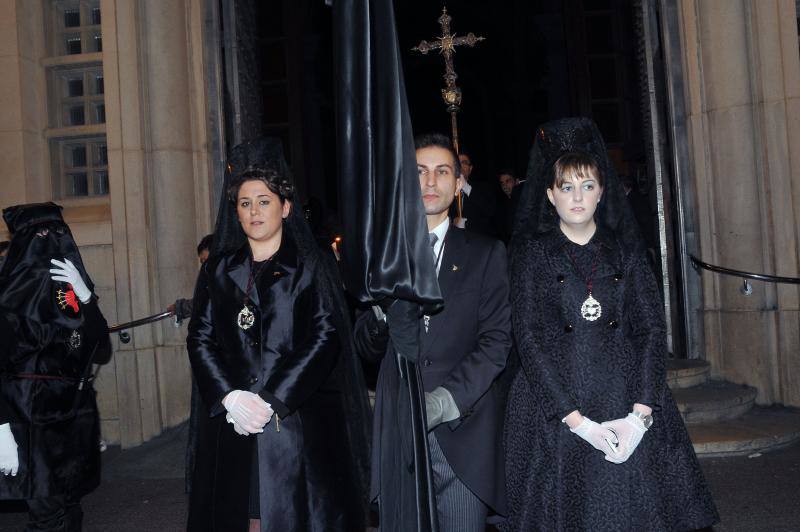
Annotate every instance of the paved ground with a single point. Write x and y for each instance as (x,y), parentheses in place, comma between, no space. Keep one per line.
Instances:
(142,491)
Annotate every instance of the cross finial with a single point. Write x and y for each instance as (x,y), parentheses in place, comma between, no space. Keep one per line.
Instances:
(446,44)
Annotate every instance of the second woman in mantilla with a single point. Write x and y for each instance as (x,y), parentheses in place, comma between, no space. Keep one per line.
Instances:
(284,447)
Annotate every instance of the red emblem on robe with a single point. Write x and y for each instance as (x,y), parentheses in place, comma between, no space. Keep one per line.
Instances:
(67,299)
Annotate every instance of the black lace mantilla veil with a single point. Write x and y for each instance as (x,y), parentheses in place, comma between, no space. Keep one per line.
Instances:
(229,237)
(535,213)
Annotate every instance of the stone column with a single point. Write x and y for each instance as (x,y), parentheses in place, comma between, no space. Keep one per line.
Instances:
(158,160)
(23,93)
(743,92)
(170,165)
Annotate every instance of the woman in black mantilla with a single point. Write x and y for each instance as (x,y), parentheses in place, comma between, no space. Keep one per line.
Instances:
(594,440)
(284,447)
(52,333)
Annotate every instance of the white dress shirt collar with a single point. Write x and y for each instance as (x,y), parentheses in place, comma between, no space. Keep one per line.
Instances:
(440,231)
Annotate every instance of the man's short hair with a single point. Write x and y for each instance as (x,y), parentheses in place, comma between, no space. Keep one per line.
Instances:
(205,244)
(437,140)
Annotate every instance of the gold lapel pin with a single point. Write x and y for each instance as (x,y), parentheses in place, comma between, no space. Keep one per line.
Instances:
(455,268)
(276,274)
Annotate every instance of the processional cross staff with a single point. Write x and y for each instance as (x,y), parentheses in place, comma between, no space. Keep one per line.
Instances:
(451,94)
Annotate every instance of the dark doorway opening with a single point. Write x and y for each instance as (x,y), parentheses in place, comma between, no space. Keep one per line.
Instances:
(541,60)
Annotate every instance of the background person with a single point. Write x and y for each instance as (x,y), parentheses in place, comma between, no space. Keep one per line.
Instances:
(506,205)
(478,201)
(183,307)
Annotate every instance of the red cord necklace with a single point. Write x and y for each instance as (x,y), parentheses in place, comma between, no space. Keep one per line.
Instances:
(591,309)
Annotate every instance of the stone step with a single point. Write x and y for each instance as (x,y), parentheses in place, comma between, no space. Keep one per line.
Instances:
(714,401)
(760,430)
(683,373)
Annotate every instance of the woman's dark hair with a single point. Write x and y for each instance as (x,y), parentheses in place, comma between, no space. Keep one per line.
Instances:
(575,164)
(275,180)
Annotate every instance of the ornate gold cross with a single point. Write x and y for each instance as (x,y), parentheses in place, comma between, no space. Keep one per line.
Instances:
(446,44)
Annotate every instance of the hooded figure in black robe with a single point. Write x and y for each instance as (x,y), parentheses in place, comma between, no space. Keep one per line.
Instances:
(600,367)
(308,469)
(51,338)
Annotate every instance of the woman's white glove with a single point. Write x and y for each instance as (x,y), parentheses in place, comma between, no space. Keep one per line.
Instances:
(601,438)
(630,430)
(247,410)
(236,427)
(68,273)
(9,458)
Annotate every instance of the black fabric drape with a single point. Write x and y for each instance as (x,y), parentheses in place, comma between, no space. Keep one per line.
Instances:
(386,252)
(386,234)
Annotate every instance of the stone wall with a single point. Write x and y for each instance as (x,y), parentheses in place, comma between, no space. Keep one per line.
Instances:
(742,72)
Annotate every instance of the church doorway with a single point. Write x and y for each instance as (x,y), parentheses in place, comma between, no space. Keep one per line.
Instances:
(607,59)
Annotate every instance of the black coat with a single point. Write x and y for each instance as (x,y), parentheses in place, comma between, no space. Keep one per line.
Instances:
(557,481)
(479,208)
(464,350)
(307,479)
(56,425)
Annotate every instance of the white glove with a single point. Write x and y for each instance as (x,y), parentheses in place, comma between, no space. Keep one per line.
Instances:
(236,426)
(9,458)
(440,407)
(630,431)
(248,410)
(601,438)
(68,273)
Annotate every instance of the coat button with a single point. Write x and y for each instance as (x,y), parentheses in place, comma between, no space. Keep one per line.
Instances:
(560,278)
(253,343)
(427,362)
(617,276)
(613,324)
(568,328)
(253,379)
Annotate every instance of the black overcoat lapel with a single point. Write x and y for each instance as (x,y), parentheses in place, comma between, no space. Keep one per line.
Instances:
(239,271)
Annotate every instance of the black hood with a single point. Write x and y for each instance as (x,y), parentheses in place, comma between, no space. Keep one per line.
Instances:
(39,234)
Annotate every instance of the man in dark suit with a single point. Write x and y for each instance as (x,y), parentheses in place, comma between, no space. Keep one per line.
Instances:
(463,350)
(478,202)
(506,205)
